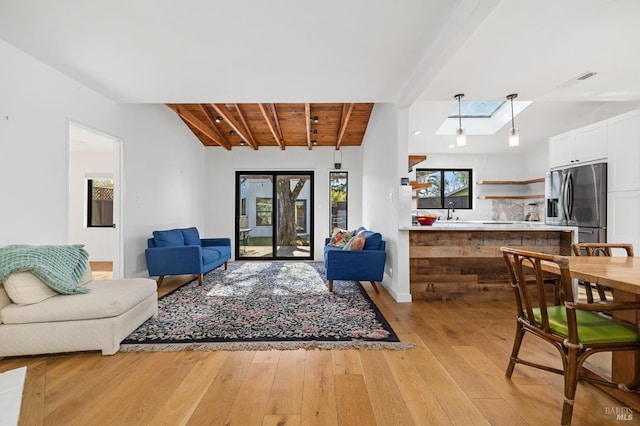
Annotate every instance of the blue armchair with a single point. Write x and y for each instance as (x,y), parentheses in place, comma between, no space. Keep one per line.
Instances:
(359,265)
(182,251)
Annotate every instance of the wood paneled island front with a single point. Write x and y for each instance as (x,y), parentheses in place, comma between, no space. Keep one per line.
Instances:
(462,260)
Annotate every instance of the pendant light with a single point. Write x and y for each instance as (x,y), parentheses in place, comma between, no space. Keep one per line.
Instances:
(337,159)
(514,134)
(461,138)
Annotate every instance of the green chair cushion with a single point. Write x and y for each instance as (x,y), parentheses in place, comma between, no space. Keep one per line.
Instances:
(592,327)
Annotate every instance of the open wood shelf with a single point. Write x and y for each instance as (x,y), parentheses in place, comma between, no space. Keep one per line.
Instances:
(512,197)
(510,182)
(415,159)
(420,185)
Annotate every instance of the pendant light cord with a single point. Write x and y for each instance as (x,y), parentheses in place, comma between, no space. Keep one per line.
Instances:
(512,120)
(459,97)
(511,97)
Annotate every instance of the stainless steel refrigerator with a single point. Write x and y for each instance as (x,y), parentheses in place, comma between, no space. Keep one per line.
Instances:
(577,196)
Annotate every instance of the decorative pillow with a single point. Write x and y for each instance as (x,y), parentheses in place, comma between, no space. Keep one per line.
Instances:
(341,238)
(87,277)
(191,236)
(336,231)
(4,300)
(171,238)
(337,234)
(357,242)
(373,240)
(24,288)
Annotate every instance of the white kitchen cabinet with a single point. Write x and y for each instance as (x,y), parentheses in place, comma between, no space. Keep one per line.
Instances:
(580,146)
(623,225)
(624,152)
(562,149)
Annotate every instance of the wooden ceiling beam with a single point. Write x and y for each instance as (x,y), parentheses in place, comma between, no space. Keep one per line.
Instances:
(346,114)
(265,114)
(226,115)
(214,126)
(251,141)
(274,114)
(188,116)
(307,113)
(258,125)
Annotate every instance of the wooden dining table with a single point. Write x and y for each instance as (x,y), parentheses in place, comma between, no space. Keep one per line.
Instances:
(622,275)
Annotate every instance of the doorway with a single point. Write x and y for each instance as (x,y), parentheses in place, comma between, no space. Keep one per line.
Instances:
(94,161)
(274,215)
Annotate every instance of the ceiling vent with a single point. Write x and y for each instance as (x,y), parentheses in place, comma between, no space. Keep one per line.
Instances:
(586,75)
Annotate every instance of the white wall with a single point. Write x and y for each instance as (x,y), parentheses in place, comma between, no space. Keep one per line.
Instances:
(514,166)
(384,159)
(385,155)
(163,163)
(221,167)
(97,241)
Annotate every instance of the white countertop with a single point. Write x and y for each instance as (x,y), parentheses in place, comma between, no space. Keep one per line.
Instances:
(488,225)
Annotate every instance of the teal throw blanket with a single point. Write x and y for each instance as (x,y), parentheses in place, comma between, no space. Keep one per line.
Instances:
(60,267)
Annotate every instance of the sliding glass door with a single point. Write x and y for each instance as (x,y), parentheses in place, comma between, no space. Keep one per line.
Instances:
(274,215)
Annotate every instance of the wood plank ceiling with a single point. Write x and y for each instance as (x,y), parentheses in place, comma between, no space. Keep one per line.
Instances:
(283,125)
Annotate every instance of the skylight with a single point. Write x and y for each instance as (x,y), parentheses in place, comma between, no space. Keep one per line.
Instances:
(476,109)
(482,117)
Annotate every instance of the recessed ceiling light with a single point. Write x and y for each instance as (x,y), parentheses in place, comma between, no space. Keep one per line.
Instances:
(416,132)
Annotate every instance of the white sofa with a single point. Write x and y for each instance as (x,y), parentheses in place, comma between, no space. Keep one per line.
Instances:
(98,320)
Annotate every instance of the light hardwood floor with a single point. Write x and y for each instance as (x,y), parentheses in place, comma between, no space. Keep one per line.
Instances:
(454,375)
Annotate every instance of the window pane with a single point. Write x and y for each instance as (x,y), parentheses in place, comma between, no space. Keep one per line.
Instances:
(447,186)
(430,198)
(100,203)
(254,232)
(263,211)
(301,216)
(338,183)
(476,109)
(293,192)
(456,188)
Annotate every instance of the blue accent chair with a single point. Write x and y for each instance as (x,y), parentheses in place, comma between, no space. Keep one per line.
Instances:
(182,251)
(358,265)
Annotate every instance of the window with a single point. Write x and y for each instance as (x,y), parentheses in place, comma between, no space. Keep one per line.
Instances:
(100,203)
(301,216)
(476,109)
(338,184)
(447,186)
(279,215)
(264,211)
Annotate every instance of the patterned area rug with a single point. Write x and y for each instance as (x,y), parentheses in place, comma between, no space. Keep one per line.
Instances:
(265,305)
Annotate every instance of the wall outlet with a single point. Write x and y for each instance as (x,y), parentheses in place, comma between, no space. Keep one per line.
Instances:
(391,272)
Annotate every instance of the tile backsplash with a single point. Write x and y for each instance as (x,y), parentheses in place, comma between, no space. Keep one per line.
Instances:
(515,210)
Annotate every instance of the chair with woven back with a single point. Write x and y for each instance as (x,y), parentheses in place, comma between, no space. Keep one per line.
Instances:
(598,249)
(577,330)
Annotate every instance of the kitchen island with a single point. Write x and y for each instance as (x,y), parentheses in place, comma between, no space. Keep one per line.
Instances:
(456,260)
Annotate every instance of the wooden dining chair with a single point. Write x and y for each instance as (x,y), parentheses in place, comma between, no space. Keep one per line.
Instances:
(577,330)
(598,249)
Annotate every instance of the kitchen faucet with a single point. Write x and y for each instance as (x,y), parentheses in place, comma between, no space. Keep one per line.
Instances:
(450,206)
